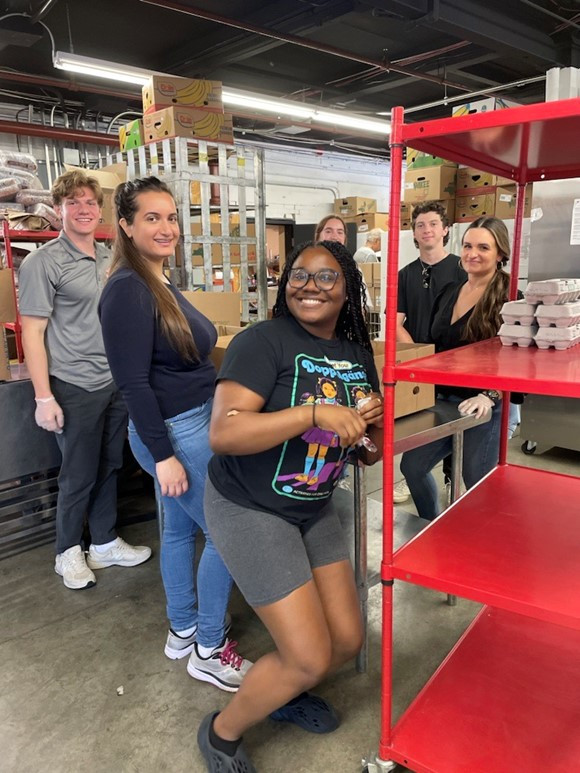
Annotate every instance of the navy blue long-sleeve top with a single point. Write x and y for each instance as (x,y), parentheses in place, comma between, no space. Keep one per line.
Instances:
(155,380)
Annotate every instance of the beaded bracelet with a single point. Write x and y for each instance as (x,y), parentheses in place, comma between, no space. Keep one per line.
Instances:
(44,399)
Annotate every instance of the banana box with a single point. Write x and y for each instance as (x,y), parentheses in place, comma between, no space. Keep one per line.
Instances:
(188,122)
(131,135)
(166,91)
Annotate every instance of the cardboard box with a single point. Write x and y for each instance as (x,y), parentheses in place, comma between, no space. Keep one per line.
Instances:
(226,333)
(166,91)
(371,273)
(417,159)
(407,212)
(131,135)
(7,302)
(469,178)
(219,308)
(370,220)
(483,106)
(188,122)
(469,208)
(437,182)
(4,360)
(505,202)
(354,205)
(409,397)
(108,178)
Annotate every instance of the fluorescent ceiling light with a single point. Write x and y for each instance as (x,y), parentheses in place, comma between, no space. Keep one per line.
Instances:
(86,65)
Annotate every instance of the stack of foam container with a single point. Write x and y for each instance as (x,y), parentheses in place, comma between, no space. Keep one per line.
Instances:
(549,315)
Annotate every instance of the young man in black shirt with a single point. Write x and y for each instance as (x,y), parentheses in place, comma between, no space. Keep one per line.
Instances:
(421,281)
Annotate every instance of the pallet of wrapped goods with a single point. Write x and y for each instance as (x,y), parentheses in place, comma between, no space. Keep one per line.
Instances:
(518,312)
(522,335)
(562,315)
(553,291)
(558,337)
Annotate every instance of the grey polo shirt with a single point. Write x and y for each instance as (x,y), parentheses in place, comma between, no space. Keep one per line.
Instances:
(60,282)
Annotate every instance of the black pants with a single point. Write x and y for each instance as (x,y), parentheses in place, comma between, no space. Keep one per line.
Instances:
(91,445)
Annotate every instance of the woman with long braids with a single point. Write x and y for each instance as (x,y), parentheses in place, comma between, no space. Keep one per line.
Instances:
(284,384)
(158,347)
(465,312)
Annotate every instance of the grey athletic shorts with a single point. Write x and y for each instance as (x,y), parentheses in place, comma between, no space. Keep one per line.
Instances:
(267,556)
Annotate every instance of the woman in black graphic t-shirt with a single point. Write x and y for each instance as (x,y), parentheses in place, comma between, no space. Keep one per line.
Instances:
(285,419)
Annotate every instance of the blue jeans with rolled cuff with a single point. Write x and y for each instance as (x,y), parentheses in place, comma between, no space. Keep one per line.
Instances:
(480,456)
(191,600)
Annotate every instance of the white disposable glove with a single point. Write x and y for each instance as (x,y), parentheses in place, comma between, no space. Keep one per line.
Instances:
(479,405)
(49,415)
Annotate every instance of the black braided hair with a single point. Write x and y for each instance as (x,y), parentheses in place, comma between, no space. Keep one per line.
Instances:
(353,318)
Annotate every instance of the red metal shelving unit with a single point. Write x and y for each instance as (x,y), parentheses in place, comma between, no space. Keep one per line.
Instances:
(10,235)
(508,696)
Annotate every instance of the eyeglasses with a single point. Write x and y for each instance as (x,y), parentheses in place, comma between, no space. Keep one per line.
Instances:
(425,275)
(325,279)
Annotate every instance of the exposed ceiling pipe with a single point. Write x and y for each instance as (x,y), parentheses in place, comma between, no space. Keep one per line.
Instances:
(42,11)
(51,132)
(305,43)
(567,22)
(56,83)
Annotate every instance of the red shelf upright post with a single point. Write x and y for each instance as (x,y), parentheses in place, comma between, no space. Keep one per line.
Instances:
(389,405)
(16,325)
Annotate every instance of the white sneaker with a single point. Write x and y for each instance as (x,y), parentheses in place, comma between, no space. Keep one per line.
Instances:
(224,668)
(177,647)
(72,567)
(401,492)
(119,554)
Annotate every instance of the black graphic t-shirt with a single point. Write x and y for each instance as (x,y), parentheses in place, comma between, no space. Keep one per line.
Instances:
(287,366)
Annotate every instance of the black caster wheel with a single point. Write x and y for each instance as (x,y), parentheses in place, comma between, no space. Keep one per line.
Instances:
(529,447)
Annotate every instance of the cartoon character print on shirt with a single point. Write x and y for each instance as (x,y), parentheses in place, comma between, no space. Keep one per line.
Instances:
(314,471)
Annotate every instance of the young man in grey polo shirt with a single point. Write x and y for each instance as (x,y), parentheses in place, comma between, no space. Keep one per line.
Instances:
(76,398)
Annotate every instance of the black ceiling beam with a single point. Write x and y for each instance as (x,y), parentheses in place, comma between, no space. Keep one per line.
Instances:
(224,48)
(478,22)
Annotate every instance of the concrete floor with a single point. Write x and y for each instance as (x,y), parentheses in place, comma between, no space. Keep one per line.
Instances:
(64,655)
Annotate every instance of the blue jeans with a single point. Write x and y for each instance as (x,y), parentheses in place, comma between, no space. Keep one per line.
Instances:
(480,456)
(183,517)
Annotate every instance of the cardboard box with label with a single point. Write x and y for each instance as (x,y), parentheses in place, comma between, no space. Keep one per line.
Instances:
(483,106)
(188,122)
(131,135)
(437,182)
(354,205)
(165,91)
(219,308)
(417,159)
(7,314)
(505,202)
(370,220)
(409,397)
(226,334)
(469,178)
(108,178)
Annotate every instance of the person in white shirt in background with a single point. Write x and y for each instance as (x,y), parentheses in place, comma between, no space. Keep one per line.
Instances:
(370,252)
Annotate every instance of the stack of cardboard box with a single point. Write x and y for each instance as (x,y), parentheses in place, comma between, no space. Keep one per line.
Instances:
(363,212)
(179,107)
(428,178)
(372,276)
(482,194)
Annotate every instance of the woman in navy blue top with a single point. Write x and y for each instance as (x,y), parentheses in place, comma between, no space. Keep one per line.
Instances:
(158,347)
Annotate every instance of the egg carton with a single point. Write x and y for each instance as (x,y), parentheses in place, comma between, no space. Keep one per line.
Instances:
(522,335)
(553,291)
(562,315)
(513,312)
(558,337)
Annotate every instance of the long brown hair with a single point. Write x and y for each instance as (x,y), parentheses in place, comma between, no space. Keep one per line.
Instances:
(320,227)
(174,326)
(485,320)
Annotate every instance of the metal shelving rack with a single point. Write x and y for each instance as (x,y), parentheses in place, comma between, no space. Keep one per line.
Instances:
(234,170)
(508,696)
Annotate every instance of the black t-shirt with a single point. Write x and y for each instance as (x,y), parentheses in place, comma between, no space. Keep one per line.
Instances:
(284,364)
(155,380)
(416,301)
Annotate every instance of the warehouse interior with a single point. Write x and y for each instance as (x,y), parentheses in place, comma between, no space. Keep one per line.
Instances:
(84,683)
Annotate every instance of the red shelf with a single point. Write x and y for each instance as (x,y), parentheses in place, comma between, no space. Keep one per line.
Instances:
(528,143)
(512,541)
(506,699)
(489,365)
(106,232)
